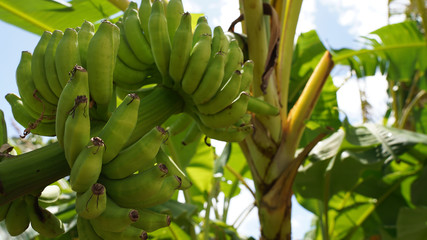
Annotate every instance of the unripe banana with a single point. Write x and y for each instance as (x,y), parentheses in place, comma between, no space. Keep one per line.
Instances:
(91,203)
(50,194)
(77,129)
(3,130)
(38,69)
(179,124)
(151,221)
(228,134)
(3,210)
(224,96)
(144,16)
(233,61)
(101,59)
(181,48)
(136,39)
(192,135)
(219,41)
(261,107)
(211,81)
(136,187)
(49,63)
(174,11)
(17,217)
(199,59)
(132,6)
(119,127)
(85,230)
(105,235)
(247,76)
(133,233)
(76,86)
(114,218)
(242,39)
(85,34)
(163,158)
(87,167)
(67,55)
(139,156)
(229,115)
(43,221)
(202,28)
(125,76)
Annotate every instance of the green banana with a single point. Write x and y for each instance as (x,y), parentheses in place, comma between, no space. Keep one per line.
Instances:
(144,16)
(163,158)
(43,221)
(119,127)
(202,28)
(219,41)
(3,129)
(181,48)
(85,230)
(31,124)
(259,106)
(136,187)
(228,134)
(3,210)
(233,61)
(132,6)
(140,155)
(87,167)
(193,134)
(125,53)
(77,86)
(67,55)
(174,11)
(87,30)
(50,194)
(179,124)
(136,39)
(49,63)
(229,115)
(114,218)
(199,59)
(38,69)
(91,203)
(159,39)
(151,221)
(242,39)
(77,129)
(101,59)
(247,75)
(27,89)
(224,96)
(211,81)
(133,233)
(17,219)
(125,76)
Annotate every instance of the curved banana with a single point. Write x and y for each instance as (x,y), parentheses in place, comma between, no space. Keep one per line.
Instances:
(219,41)
(151,221)
(211,81)
(179,124)
(199,59)
(139,156)
(77,86)
(87,30)
(163,158)
(38,69)
(132,6)
(181,48)
(144,16)
(229,115)
(202,28)
(261,107)
(233,61)
(91,203)
(228,134)
(43,221)
(67,55)
(192,135)
(125,76)
(247,75)
(85,230)
(133,233)
(49,63)
(119,127)
(101,59)
(17,219)
(87,167)
(136,39)
(174,11)
(224,97)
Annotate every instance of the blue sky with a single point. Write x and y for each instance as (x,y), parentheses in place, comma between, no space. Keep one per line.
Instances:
(338,23)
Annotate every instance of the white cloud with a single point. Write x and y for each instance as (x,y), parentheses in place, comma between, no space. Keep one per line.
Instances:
(306,20)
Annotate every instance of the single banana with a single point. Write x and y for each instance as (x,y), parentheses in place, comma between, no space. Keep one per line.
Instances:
(199,59)
(233,61)
(77,129)
(133,233)
(247,76)
(87,30)
(85,230)
(163,158)
(49,63)
(101,59)
(261,107)
(3,210)
(67,55)
(174,11)
(114,218)
(87,167)
(132,6)
(224,97)
(220,41)
(181,48)
(43,221)
(50,194)
(119,127)
(77,86)
(192,135)
(17,220)
(182,122)
(136,39)
(202,28)
(228,134)
(211,81)
(38,69)
(91,203)
(136,187)
(144,16)
(125,76)
(140,155)
(151,221)
(229,115)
